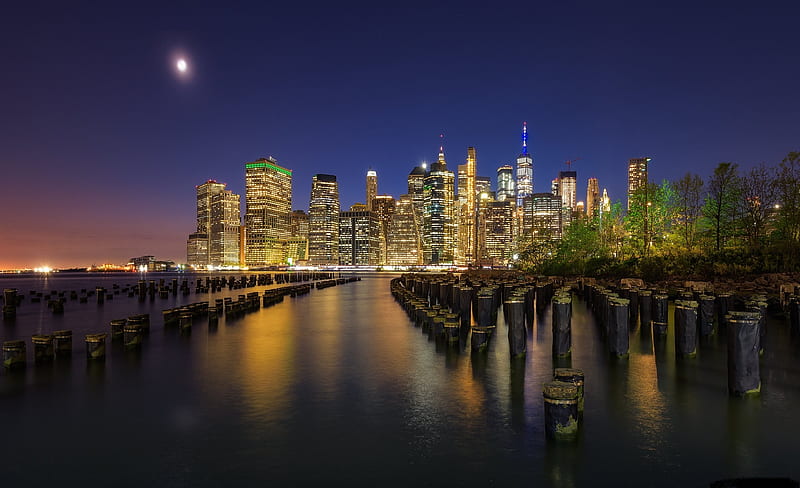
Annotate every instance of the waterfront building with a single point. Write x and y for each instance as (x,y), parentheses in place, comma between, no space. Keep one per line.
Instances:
(268,198)
(359,237)
(567,189)
(592,197)
(224,235)
(383,206)
(416,190)
(524,169)
(197,250)
(466,208)
(605,202)
(483,184)
(297,245)
(218,222)
(543,216)
(495,231)
(404,248)
(439,217)
(637,176)
(323,221)
(505,184)
(372,188)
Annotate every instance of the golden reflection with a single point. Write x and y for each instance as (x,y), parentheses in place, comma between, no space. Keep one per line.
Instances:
(647,403)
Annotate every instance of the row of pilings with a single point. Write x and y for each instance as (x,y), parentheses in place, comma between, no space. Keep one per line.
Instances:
(56,300)
(131,332)
(697,314)
(462,311)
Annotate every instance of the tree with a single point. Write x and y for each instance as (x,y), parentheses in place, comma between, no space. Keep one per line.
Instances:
(758,201)
(787,185)
(688,207)
(721,204)
(651,212)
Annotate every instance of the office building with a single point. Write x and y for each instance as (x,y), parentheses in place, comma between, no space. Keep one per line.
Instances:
(466,208)
(372,187)
(495,232)
(405,247)
(637,176)
(323,221)
(543,216)
(297,244)
(359,237)
(216,240)
(268,197)
(439,218)
(592,197)
(505,184)
(524,169)
(383,206)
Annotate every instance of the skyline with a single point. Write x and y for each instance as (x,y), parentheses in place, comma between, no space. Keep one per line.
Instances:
(112,142)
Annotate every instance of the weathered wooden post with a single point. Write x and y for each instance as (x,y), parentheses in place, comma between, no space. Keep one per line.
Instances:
(561,410)
(705,315)
(574,376)
(95,346)
(14,354)
(517,333)
(42,348)
(62,343)
(619,339)
(686,328)
(660,308)
(744,374)
(562,325)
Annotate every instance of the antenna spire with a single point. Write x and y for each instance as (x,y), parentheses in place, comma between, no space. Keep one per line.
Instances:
(525,138)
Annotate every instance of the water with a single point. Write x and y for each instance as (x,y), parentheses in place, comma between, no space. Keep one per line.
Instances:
(339,387)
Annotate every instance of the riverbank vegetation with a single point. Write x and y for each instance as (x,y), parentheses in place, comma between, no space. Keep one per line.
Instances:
(735,223)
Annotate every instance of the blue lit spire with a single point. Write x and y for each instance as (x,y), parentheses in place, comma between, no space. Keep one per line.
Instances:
(524,138)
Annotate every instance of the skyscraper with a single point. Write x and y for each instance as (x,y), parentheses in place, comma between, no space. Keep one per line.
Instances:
(223,239)
(543,212)
(567,188)
(359,237)
(323,221)
(495,231)
(592,197)
(268,196)
(483,184)
(637,175)
(466,207)
(216,240)
(416,185)
(372,187)
(439,222)
(383,206)
(404,248)
(505,184)
(524,169)
(297,245)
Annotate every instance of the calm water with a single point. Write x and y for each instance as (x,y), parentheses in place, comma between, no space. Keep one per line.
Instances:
(339,387)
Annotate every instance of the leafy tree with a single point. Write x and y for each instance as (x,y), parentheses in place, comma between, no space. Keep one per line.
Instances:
(787,185)
(758,201)
(651,212)
(721,205)
(688,208)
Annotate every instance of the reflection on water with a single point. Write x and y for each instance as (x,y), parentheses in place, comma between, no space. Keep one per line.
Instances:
(338,386)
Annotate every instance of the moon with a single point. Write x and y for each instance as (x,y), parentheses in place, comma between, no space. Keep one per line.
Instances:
(181,65)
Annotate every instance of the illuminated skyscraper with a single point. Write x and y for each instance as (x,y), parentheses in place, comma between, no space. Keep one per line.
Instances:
(439,220)
(416,190)
(592,197)
(605,202)
(268,196)
(524,169)
(567,189)
(483,184)
(297,245)
(383,206)
(372,187)
(495,232)
(223,239)
(216,241)
(323,221)
(466,208)
(543,216)
(359,237)
(505,184)
(637,175)
(404,248)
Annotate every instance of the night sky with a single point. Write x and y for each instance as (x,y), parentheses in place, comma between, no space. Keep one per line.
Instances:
(102,141)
